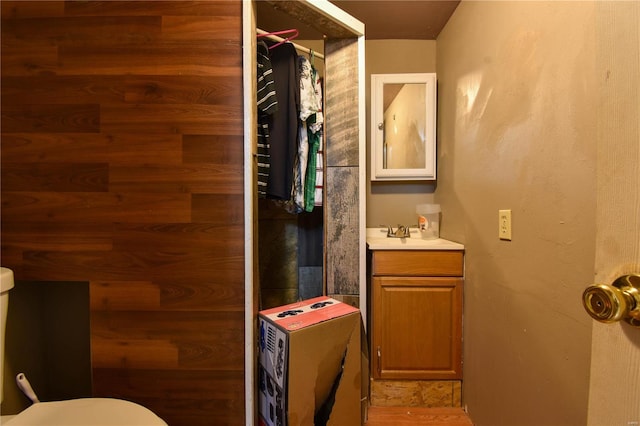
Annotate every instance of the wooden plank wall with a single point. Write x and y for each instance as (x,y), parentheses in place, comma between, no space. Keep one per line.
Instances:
(342,167)
(122,166)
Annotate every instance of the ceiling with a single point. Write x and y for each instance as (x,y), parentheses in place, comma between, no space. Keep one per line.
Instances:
(383,19)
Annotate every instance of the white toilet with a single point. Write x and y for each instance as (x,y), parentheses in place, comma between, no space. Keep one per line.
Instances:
(75,412)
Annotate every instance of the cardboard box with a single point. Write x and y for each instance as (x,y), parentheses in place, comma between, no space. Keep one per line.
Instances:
(310,364)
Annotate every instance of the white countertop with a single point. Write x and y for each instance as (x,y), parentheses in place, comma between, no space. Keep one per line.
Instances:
(377,240)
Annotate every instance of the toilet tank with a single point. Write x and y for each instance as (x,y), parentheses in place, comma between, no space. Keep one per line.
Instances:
(6,284)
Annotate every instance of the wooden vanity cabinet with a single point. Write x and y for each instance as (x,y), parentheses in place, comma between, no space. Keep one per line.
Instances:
(416,303)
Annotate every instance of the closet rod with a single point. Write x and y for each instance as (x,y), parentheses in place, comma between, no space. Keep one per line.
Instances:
(297,46)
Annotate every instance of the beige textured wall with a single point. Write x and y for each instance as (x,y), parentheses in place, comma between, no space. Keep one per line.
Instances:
(394,203)
(517,130)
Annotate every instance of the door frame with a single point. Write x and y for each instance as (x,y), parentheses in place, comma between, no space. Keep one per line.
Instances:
(614,391)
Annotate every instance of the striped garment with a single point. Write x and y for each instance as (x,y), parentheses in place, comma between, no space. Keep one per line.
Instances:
(267,106)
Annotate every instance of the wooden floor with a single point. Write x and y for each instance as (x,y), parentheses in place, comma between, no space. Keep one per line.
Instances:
(416,416)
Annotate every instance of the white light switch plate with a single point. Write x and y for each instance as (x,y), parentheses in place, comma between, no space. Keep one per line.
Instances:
(504,224)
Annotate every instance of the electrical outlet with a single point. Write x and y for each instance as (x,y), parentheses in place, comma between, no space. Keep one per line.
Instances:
(504,224)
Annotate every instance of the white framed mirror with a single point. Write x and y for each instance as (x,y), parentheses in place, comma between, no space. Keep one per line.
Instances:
(403,126)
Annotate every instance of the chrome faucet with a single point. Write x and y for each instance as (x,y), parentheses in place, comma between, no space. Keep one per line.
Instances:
(402,232)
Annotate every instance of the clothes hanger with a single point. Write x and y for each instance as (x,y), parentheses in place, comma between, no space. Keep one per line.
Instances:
(293,34)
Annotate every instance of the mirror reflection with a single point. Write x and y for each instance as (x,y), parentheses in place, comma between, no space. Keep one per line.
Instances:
(404,124)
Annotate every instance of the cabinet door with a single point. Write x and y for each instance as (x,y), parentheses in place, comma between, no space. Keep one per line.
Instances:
(417,328)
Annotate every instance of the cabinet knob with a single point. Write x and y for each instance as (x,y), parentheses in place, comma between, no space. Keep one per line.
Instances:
(615,302)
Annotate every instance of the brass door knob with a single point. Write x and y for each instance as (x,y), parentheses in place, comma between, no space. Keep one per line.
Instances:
(615,302)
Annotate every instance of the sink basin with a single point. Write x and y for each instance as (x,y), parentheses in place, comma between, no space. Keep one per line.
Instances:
(377,240)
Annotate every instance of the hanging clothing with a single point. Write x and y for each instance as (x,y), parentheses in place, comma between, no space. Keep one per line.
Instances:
(283,135)
(267,106)
(319,174)
(309,106)
(315,133)
(309,102)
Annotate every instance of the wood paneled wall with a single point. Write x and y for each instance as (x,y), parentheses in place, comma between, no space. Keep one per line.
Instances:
(122,165)
(342,167)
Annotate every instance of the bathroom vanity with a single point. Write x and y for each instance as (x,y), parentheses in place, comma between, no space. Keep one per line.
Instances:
(415,325)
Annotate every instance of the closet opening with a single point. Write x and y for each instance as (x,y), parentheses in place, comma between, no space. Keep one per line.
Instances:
(290,157)
(321,251)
